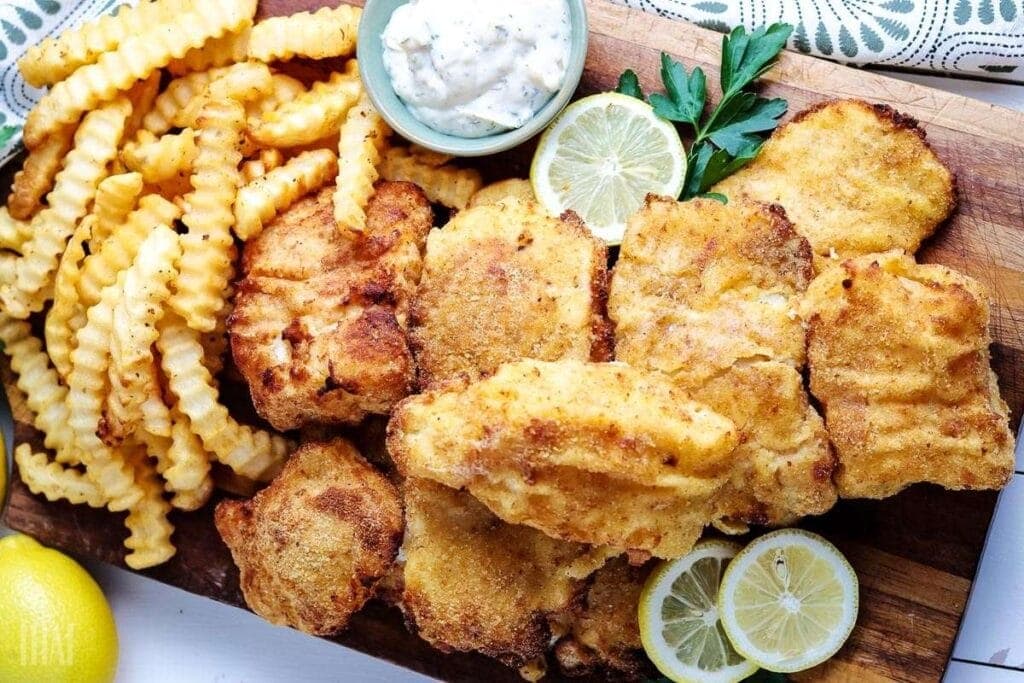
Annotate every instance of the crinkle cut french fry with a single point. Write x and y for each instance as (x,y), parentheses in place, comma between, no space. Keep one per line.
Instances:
(150,531)
(54,59)
(45,396)
(429,156)
(67,315)
(13,232)
(447,185)
(215,343)
(363,137)
(178,94)
(135,58)
(115,200)
(35,179)
(140,306)
(54,481)
(261,200)
(245,82)
(117,253)
(317,35)
(142,96)
(228,49)
(95,146)
(284,88)
(167,156)
(189,473)
(208,248)
(325,33)
(87,386)
(252,453)
(313,115)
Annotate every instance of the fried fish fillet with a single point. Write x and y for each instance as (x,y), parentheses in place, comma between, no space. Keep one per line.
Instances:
(313,544)
(504,282)
(318,327)
(474,583)
(899,360)
(595,453)
(604,633)
(706,292)
(853,177)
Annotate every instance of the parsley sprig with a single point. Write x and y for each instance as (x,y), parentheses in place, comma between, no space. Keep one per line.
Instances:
(732,134)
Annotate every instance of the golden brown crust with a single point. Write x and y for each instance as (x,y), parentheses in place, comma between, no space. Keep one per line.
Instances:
(503,282)
(853,177)
(707,293)
(899,361)
(604,633)
(474,583)
(595,453)
(318,327)
(312,546)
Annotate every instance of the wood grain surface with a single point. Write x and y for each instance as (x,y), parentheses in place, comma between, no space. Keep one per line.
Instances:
(915,553)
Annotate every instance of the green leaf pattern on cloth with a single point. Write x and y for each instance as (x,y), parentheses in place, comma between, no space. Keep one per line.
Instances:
(979,37)
(24,23)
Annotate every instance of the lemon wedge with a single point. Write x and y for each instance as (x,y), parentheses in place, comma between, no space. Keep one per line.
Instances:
(601,158)
(788,601)
(679,624)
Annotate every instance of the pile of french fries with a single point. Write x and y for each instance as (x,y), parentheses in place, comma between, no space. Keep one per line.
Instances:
(169,131)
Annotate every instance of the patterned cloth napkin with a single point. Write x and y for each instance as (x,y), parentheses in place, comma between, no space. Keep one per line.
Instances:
(979,37)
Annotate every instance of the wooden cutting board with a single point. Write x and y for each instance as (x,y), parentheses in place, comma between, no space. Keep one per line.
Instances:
(915,553)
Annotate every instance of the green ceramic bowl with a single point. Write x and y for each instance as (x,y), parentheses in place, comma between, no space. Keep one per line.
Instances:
(376,15)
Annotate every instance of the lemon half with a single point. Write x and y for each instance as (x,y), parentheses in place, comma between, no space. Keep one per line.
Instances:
(788,601)
(679,622)
(601,158)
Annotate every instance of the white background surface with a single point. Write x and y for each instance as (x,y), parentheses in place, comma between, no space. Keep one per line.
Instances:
(169,636)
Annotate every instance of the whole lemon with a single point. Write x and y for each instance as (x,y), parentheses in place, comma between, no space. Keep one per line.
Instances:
(56,624)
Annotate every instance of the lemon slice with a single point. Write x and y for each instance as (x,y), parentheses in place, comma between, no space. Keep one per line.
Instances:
(788,601)
(678,617)
(602,156)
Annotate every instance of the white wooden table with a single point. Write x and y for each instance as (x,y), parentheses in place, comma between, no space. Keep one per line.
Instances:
(170,636)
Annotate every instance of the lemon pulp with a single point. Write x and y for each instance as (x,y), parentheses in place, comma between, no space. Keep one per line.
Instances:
(601,158)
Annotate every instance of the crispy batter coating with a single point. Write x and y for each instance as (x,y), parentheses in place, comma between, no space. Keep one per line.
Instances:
(854,177)
(312,546)
(604,634)
(595,453)
(473,582)
(701,285)
(506,282)
(318,327)
(706,292)
(899,361)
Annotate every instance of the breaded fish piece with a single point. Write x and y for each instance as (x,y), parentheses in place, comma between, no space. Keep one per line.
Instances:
(899,360)
(604,633)
(505,282)
(503,190)
(853,177)
(595,453)
(706,292)
(474,583)
(313,544)
(318,326)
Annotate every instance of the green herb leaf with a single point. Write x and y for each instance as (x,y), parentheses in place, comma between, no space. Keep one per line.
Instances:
(742,118)
(717,196)
(709,165)
(746,57)
(629,84)
(686,93)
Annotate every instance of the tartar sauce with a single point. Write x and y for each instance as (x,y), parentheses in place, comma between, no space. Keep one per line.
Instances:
(477,67)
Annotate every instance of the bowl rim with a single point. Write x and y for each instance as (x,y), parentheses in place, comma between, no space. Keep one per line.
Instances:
(421,134)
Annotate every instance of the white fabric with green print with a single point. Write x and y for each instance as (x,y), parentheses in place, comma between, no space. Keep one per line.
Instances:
(24,23)
(977,37)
